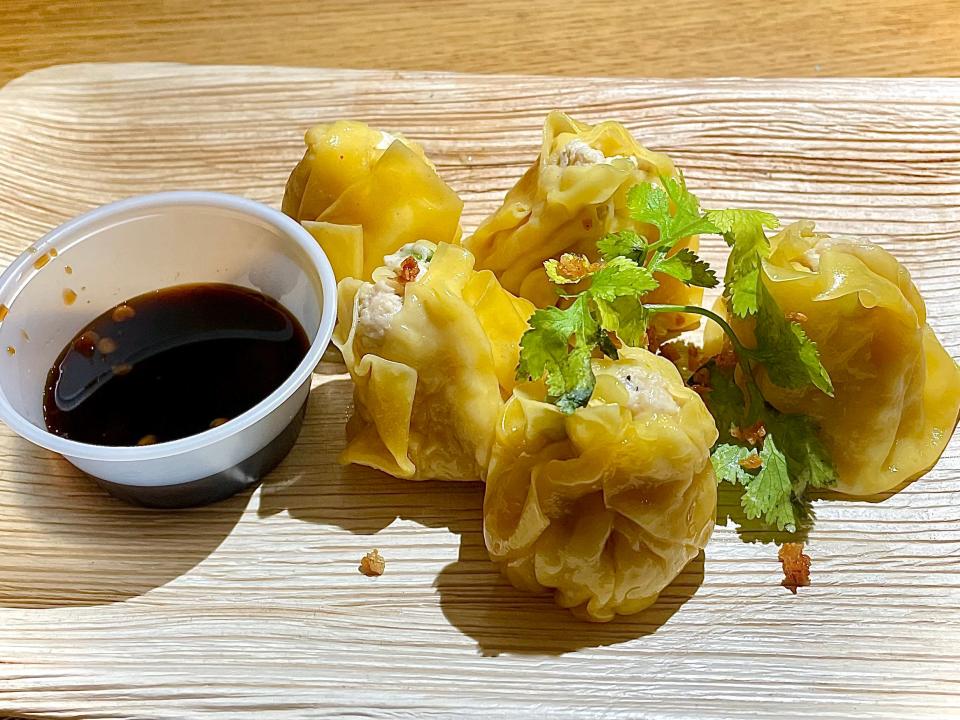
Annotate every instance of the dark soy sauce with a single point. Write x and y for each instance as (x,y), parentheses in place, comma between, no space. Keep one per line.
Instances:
(171,363)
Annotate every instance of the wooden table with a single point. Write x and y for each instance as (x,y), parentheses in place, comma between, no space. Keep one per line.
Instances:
(680,38)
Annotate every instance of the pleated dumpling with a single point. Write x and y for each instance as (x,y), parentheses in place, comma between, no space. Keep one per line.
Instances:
(432,347)
(896,390)
(604,506)
(363,193)
(574,194)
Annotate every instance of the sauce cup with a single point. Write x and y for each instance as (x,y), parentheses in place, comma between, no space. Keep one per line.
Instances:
(124,249)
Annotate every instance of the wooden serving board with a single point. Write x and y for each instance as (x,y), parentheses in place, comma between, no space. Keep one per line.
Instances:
(254,607)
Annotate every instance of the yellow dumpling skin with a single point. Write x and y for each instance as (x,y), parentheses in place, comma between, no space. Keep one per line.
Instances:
(363,193)
(572,195)
(604,506)
(897,391)
(431,358)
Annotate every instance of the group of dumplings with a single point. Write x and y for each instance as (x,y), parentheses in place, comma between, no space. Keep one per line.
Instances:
(606,505)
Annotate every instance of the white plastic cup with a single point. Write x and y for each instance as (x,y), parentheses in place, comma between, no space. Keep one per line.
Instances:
(145,243)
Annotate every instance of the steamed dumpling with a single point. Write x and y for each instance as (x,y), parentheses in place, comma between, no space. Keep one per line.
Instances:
(604,506)
(897,391)
(364,193)
(432,347)
(574,194)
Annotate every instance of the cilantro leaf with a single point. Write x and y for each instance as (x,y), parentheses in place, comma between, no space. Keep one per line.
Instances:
(726,463)
(789,355)
(737,220)
(725,401)
(742,291)
(605,343)
(687,219)
(744,232)
(651,204)
(560,342)
(686,267)
(769,493)
(625,243)
(791,445)
(578,380)
(808,459)
(558,346)
(627,317)
(621,277)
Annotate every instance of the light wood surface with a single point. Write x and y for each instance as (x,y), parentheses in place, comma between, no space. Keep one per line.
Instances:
(254,607)
(626,38)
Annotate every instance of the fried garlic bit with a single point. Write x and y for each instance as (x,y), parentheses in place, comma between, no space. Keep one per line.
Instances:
(409,269)
(571,268)
(372,564)
(796,566)
(753,434)
(686,356)
(727,358)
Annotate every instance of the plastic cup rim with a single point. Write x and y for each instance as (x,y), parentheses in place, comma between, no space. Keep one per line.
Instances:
(287,226)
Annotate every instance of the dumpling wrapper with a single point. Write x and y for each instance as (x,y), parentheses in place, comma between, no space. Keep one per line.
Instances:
(363,194)
(427,394)
(896,390)
(565,202)
(604,506)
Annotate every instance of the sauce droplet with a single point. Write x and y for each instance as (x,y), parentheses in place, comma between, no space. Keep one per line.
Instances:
(68,270)
(11,350)
(122,312)
(122,369)
(147,440)
(218,422)
(53,252)
(3,312)
(69,296)
(41,261)
(106,346)
(86,344)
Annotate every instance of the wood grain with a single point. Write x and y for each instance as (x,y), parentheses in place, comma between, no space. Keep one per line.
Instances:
(254,607)
(626,38)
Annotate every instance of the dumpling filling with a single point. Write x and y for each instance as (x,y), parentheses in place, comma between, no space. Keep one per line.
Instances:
(577,152)
(378,302)
(421,251)
(645,389)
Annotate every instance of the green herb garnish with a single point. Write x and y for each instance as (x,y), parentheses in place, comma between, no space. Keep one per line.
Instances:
(784,456)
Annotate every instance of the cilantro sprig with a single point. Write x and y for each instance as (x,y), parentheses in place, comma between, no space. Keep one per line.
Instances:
(784,456)
(791,456)
(560,342)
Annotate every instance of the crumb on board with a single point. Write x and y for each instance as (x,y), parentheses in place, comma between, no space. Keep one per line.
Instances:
(372,564)
(796,566)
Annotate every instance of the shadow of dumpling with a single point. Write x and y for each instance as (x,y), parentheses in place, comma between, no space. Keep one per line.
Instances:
(477,600)
(65,542)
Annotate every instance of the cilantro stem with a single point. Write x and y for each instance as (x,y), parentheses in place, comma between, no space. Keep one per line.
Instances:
(740,349)
(743,353)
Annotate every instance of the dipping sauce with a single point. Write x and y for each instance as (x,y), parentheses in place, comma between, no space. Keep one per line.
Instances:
(171,363)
